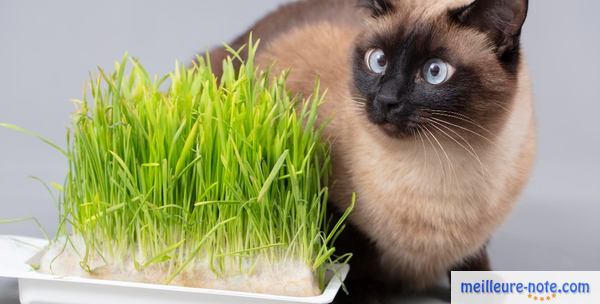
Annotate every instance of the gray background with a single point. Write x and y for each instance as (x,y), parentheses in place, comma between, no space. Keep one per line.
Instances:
(48,48)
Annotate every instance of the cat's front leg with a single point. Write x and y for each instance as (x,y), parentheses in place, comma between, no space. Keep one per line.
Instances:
(478,262)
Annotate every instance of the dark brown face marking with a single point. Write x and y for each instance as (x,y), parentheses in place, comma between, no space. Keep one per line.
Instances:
(411,95)
(378,7)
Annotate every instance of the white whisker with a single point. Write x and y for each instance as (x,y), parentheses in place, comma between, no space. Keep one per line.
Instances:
(462,118)
(450,163)
(465,129)
(471,151)
(423,146)
(444,175)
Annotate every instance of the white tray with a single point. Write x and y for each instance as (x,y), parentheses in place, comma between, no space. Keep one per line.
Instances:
(37,288)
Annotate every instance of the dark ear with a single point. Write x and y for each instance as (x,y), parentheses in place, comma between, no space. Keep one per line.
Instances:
(378,7)
(502,20)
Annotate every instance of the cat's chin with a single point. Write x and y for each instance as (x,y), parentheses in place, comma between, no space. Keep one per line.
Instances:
(391,129)
(396,127)
(395,131)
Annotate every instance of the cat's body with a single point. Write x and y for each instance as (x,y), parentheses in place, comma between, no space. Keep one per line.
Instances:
(429,199)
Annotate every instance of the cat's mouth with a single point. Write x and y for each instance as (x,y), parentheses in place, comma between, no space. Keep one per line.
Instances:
(399,128)
(403,120)
(400,124)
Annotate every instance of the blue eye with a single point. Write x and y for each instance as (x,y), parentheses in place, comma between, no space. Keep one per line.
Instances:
(437,71)
(376,61)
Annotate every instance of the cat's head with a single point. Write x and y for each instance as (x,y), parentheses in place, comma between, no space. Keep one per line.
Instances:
(419,67)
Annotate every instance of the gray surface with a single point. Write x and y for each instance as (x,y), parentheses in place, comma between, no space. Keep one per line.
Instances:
(47,49)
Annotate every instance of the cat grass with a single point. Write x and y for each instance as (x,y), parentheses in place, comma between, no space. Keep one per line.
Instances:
(196,181)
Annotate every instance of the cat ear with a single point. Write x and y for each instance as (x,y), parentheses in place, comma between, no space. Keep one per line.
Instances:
(378,7)
(502,20)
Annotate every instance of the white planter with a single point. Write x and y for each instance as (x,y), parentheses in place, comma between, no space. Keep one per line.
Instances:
(38,288)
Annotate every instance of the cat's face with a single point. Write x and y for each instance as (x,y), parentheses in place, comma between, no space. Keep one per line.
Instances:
(452,71)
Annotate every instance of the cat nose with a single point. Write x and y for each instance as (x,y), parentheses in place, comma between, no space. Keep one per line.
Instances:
(387,97)
(388,102)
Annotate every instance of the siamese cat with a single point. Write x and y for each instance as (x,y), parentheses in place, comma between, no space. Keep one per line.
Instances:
(431,122)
